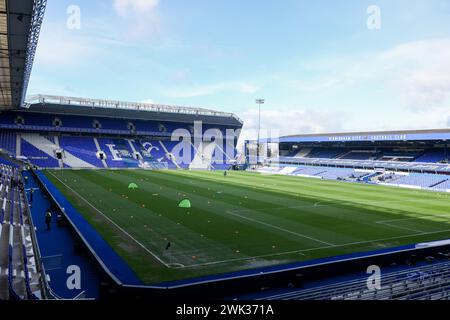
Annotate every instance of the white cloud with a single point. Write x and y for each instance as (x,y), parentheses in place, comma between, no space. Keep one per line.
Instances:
(405,119)
(205,90)
(416,73)
(63,49)
(130,8)
(140,15)
(420,72)
(404,87)
(275,123)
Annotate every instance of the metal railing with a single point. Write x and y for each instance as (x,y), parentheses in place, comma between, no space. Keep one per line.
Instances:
(114,104)
(364,164)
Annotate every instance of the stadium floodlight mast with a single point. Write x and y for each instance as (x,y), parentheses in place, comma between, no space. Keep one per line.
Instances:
(259,102)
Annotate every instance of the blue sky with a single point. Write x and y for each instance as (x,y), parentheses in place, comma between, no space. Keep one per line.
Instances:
(316,63)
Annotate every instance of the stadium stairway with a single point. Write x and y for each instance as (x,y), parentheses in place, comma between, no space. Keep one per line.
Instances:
(203,156)
(47,148)
(221,159)
(434,185)
(287,170)
(98,149)
(302,153)
(166,147)
(443,186)
(371,176)
(8,141)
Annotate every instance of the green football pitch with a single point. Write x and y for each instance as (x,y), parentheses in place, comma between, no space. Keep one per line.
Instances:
(244,220)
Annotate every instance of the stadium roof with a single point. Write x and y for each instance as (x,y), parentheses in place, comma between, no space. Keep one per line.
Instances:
(122,109)
(368,133)
(398,135)
(20,23)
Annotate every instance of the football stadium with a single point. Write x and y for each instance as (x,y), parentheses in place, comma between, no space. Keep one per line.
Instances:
(107,199)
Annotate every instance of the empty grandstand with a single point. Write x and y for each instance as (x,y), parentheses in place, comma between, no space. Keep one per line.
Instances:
(426,282)
(413,159)
(54,133)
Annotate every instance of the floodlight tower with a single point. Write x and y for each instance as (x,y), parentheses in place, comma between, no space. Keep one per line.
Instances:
(259,102)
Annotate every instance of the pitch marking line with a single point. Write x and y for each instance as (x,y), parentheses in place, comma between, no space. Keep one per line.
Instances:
(331,201)
(317,204)
(279,228)
(176,265)
(416,218)
(173,265)
(387,222)
(115,224)
(397,227)
(319,248)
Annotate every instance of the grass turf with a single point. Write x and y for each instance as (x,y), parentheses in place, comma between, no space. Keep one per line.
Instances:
(244,220)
